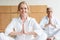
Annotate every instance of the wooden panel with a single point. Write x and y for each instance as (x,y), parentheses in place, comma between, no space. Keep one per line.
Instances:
(5,9)
(38,8)
(13,8)
(0,23)
(14,15)
(4,19)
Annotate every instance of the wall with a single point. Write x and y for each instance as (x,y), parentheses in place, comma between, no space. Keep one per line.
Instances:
(52,3)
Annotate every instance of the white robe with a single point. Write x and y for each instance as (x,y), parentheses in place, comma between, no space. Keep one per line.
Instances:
(50,30)
(5,37)
(29,25)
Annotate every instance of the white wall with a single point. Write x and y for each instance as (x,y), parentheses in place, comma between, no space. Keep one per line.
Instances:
(15,2)
(52,3)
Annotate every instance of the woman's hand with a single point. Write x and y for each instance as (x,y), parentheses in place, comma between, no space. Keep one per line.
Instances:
(50,24)
(16,33)
(31,33)
(53,25)
(51,38)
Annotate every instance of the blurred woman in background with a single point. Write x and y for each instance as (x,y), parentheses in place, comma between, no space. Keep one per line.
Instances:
(50,25)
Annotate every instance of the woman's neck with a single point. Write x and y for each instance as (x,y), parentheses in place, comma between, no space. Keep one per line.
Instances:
(23,18)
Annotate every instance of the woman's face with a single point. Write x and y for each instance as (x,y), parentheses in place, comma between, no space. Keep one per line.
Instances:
(23,9)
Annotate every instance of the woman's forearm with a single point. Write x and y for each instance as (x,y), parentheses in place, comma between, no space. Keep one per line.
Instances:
(13,33)
(31,33)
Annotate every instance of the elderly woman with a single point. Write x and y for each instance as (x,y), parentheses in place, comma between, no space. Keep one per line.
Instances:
(50,25)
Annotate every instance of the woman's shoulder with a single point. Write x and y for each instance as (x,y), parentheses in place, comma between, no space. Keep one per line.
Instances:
(45,17)
(32,18)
